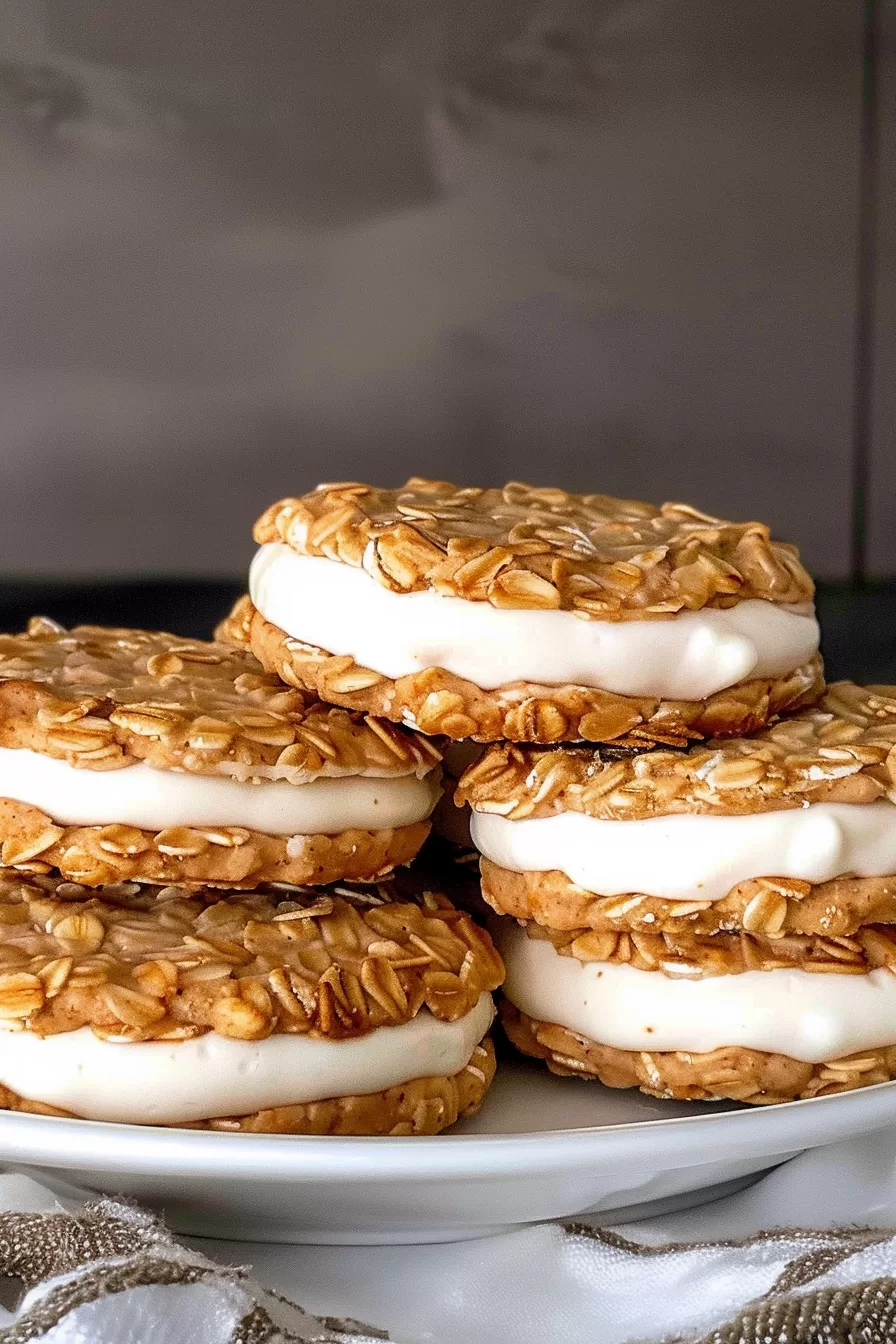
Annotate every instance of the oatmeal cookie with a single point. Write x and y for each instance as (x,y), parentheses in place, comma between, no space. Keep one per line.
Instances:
(758,905)
(684,954)
(102,699)
(842,750)
(168,963)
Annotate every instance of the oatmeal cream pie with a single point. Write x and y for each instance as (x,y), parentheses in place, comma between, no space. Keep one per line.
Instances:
(530,614)
(345,1010)
(129,754)
(715,922)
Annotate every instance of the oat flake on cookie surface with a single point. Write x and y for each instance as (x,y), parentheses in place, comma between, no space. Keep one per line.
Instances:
(841,750)
(529,547)
(102,698)
(688,955)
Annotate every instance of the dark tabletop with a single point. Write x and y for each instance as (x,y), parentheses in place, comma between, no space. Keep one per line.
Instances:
(858,623)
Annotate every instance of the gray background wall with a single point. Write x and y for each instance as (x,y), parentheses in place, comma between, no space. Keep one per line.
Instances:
(610,244)
(882,532)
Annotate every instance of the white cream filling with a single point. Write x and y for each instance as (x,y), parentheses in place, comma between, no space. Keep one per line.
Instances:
(167,1083)
(686,858)
(687,657)
(139,795)
(789,1012)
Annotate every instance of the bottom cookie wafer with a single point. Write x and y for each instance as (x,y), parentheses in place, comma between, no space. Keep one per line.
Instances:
(732,1073)
(441,703)
(759,905)
(221,856)
(421,1106)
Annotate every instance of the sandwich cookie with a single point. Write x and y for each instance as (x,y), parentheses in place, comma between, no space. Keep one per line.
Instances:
(360,1010)
(130,754)
(715,922)
(530,614)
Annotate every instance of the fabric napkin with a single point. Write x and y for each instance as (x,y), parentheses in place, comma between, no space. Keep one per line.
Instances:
(807,1254)
(104,1272)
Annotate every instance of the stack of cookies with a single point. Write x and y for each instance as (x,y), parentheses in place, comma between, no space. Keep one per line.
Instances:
(198,918)
(695,842)
(689,841)
(714,922)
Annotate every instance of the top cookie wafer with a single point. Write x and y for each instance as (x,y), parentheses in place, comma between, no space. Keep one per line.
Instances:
(101,699)
(141,962)
(841,751)
(537,548)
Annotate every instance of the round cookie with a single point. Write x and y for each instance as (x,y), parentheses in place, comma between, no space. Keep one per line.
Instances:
(791,831)
(292,1010)
(530,614)
(132,754)
(684,954)
(730,1073)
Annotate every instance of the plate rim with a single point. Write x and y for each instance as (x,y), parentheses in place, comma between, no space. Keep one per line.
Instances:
(65,1143)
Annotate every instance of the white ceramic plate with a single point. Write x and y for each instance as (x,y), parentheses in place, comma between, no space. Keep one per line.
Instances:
(542,1147)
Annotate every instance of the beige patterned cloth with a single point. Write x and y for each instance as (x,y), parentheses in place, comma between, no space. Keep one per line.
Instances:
(109,1273)
(728,1273)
